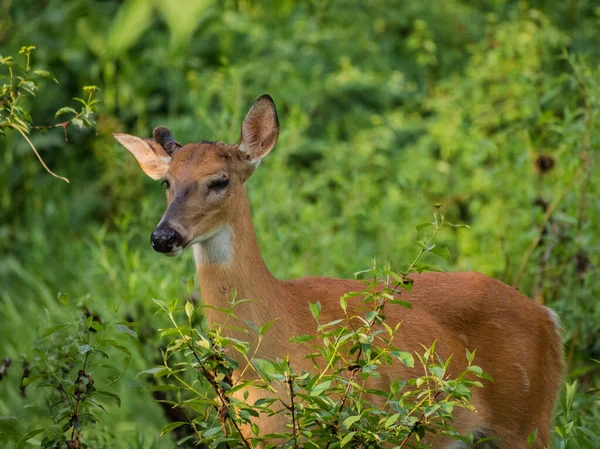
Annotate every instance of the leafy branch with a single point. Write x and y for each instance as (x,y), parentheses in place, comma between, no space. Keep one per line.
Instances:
(22,82)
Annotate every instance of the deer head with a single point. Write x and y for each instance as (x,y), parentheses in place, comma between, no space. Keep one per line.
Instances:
(205,180)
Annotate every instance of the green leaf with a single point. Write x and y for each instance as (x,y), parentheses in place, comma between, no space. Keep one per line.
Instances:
(26,50)
(351,420)
(172,425)
(63,298)
(470,356)
(301,338)
(78,123)
(423,226)
(109,395)
(263,329)
(211,432)
(343,303)
(347,439)
(400,302)
(189,285)
(116,345)
(315,309)
(532,437)
(264,367)
(405,357)
(54,329)
(184,439)
(84,349)
(330,324)
(320,388)
(451,225)
(27,437)
(126,330)
(431,409)
(46,74)
(371,315)
(172,306)
(157,371)
(391,420)
(189,309)
(65,110)
(241,346)
(441,251)
(475,369)
(421,267)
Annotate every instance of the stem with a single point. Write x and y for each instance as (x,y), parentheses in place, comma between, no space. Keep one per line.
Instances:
(11,82)
(418,423)
(540,233)
(78,398)
(38,155)
(211,380)
(290,382)
(63,125)
(423,249)
(414,262)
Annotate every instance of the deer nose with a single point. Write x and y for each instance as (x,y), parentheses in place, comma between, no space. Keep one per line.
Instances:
(165,240)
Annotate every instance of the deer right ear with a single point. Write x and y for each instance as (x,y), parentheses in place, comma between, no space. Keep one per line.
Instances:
(151,157)
(260,129)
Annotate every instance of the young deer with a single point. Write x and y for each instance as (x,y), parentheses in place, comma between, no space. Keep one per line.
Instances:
(516,340)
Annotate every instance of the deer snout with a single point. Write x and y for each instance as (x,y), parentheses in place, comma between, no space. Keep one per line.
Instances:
(166,240)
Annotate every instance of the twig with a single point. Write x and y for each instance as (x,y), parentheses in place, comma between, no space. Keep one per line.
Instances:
(418,423)
(292,408)
(26,373)
(541,228)
(63,125)
(539,277)
(224,411)
(78,399)
(4,368)
(414,262)
(573,344)
(38,155)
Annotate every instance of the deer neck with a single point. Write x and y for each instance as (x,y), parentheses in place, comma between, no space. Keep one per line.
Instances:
(228,260)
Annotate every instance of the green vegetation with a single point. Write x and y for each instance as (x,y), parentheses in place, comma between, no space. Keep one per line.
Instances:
(488,107)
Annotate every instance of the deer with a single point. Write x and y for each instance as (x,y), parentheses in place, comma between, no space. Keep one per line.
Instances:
(518,341)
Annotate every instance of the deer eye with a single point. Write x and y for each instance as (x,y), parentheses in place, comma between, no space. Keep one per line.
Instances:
(219,184)
(165,183)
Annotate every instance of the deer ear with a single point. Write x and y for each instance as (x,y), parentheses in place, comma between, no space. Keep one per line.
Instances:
(260,129)
(153,159)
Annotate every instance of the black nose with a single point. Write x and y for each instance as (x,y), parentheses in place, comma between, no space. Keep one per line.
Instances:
(165,239)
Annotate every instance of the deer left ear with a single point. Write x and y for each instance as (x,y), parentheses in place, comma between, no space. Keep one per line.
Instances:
(151,157)
(260,129)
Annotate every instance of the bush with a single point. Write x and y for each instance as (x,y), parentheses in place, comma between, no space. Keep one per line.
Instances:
(489,107)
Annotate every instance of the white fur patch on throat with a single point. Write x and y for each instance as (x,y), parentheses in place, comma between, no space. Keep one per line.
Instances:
(216,248)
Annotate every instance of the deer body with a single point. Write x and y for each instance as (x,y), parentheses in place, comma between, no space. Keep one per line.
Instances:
(516,340)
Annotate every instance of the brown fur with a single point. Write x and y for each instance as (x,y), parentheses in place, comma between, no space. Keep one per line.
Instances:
(516,340)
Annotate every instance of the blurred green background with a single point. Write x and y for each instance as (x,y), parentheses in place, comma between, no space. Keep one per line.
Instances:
(386,107)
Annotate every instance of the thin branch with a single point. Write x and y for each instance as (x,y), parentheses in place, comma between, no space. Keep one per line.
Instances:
(62,125)
(419,421)
(292,408)
(542,227)
(414,262)
(78,396)
(211,380)
(38,155)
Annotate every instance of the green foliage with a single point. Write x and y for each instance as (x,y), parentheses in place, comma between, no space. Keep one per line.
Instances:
(60,370)
(342,403)
(23,82)
(490,107)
